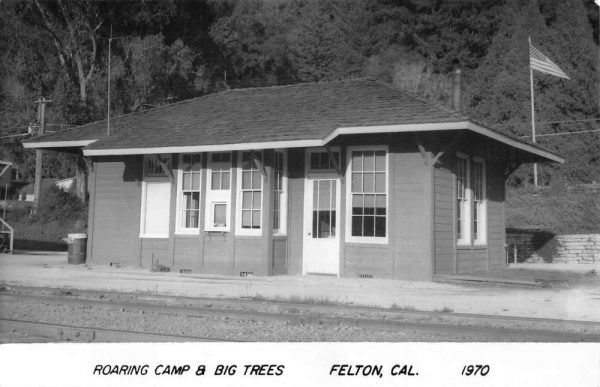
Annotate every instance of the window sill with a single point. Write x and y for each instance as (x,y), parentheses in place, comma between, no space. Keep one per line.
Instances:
(249,232)
(154,236)
(472,247)
(367,241)
(244,236)
(192,232)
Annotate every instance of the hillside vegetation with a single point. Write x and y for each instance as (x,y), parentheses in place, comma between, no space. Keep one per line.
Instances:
(171,50)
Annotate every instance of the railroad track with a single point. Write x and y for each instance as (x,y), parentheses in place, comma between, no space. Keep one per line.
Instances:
(373,318)
(62,332)
(315,307)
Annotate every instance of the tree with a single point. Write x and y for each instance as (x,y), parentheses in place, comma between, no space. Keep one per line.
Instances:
(252,41)
(73,28)
(499,94)
(152,71)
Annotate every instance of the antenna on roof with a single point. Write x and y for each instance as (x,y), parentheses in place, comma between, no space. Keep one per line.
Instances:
(108,107)
(110,39)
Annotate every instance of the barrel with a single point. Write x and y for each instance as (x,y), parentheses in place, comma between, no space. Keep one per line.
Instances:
(77,248)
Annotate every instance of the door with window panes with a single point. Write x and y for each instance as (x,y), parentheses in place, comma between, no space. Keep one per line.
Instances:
(322,214)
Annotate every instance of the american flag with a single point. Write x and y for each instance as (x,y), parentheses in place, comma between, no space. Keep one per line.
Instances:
(540,62)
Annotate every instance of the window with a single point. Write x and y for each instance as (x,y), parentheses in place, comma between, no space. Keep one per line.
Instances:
(470,201)
(220,166)
(218,195)
(324,208)
(479,206)
(250,198)
(367,195)
(323,161)
(189,185)
(462,199)
(152,167)
(280,193)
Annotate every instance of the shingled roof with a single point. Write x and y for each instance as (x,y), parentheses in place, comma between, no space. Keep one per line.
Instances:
(306,114)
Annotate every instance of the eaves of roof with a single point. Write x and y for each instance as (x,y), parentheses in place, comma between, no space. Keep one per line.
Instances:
(301,115)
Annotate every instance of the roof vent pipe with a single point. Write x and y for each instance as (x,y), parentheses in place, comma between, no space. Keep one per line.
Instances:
(457,79)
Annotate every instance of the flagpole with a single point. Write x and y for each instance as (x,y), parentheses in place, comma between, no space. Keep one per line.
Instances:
(535,178)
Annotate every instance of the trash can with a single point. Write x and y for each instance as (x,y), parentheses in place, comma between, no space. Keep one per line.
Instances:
(77,248)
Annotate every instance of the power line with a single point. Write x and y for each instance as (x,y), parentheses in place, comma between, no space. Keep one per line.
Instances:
(16,135)
(549,122)
(565,133)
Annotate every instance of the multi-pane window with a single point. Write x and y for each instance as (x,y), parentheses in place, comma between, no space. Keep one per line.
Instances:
(324,208)
(152,167)
(218,194)
(220,170)
(324,160)
(368,194)
(470,200)
(478,187)
(251,190)
(462,198)
(279,200)
(189,188)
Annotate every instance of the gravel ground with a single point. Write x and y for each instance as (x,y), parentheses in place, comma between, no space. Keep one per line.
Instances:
(237,329)
(574,302)
(114,315)
(224,327)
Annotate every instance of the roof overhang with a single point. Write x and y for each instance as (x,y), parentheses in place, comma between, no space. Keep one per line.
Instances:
(57,144)
(350,130)
(461,125)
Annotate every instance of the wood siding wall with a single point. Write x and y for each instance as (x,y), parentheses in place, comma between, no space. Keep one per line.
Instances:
(496,197)
(452,259)
(421,239)
(115,207)
(116,211)
(406,255)
(444,220)
(295,209)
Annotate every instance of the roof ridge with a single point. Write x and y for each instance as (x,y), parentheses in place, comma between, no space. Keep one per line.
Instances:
(189,100)
(323,81)
(419,98)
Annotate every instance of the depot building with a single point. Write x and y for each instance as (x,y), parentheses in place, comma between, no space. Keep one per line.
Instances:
(348,178)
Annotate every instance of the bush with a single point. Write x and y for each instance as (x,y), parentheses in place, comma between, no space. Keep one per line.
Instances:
(57,205)
(59,214)
(553,209)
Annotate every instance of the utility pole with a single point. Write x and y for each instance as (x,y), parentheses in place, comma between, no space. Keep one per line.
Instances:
(598,4)
(38,154)
(535,171)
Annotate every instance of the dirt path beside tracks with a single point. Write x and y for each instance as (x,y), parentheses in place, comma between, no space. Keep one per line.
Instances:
(51,270)
(51,315)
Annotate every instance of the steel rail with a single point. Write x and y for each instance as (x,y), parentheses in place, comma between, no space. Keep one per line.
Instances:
(385,323)
(319,307)
(93,334)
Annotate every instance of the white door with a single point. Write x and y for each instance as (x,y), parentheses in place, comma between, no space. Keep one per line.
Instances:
(321,248)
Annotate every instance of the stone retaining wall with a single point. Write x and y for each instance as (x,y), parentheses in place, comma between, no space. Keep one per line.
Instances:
(583,248)
(530,243)
(538,245)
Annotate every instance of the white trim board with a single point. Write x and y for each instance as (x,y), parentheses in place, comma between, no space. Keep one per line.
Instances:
(57,144)
(403,128)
